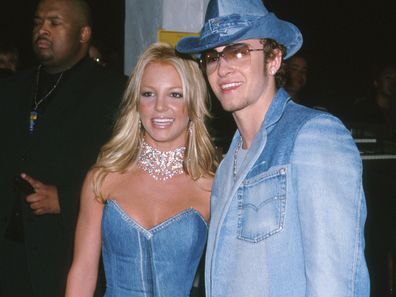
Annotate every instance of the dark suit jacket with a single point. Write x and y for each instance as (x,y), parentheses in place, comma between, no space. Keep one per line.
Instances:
(75,124)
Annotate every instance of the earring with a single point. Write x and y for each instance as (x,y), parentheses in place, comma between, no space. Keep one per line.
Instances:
(140,125)
(190,128)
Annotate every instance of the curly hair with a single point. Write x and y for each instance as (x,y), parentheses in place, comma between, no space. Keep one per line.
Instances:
(270,47)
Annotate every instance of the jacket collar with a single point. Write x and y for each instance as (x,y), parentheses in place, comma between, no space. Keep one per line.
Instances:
(276,108)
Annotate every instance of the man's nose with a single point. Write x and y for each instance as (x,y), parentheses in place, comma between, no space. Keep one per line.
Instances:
(223,66)
(42,28)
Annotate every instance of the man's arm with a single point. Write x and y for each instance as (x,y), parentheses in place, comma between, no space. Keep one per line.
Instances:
(331,208)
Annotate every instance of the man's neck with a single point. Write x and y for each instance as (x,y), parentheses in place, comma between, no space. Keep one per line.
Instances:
(55,69)
(52,70)
(250,118)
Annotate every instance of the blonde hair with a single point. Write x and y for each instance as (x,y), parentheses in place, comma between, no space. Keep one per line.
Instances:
(122,150)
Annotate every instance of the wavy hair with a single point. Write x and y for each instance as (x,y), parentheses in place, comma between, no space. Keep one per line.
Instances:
(270,46)
(122,150)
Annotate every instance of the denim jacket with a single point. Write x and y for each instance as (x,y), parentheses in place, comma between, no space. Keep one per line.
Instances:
(290,223)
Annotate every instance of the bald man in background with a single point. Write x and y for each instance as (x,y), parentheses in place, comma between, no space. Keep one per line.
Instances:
(58,114)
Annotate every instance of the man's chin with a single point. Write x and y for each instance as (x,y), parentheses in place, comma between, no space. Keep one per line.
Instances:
(43,56)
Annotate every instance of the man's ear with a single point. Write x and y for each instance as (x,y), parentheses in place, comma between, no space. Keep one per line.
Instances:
(275,63)
(85,34)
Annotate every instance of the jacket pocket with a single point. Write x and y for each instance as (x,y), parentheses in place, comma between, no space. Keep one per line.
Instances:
(262,205)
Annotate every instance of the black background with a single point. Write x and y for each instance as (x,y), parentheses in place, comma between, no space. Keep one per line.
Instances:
(345,41)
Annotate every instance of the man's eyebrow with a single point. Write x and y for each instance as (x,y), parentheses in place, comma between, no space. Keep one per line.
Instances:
(52,17)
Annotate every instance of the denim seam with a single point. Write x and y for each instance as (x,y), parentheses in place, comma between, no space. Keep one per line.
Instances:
(150,232)
(265,175)
(279,228)
(357,243)
(129,220)
(141,264)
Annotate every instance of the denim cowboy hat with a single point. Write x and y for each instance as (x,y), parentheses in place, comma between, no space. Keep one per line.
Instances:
(229,21)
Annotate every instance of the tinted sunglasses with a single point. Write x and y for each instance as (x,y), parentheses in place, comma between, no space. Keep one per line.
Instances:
(234,54)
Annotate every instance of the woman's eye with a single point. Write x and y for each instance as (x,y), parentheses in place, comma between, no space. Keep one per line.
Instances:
(176,95)
(147,94)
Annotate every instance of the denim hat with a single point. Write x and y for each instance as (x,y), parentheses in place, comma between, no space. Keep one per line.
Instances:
(229,21)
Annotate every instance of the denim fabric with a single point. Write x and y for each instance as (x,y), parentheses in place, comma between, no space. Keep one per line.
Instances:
(230,21)
(291,223)
(160,262)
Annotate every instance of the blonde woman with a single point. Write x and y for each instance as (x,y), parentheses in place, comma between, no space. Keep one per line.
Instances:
(145,204)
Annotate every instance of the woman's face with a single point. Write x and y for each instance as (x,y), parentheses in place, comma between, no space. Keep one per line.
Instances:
(162,107)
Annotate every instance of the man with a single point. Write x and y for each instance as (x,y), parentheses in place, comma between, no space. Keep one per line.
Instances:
(296,76)
(9,58)
(288,208)
(55,118)
(372,115)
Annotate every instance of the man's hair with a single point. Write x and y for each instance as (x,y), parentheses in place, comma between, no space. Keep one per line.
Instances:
(83,8)
(270,46)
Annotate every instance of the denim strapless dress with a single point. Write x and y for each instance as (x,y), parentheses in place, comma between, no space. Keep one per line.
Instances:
(159,262)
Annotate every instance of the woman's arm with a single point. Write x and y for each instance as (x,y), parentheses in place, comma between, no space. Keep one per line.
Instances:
(83,273)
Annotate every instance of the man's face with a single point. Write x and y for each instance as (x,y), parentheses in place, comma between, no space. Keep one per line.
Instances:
(240,85)
(57,34)
(296,74)
(8,61)
(386,83)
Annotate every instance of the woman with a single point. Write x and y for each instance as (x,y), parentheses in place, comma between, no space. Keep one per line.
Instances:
(145,203)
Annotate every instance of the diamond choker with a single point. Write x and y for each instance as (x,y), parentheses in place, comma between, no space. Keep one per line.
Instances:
(161,165)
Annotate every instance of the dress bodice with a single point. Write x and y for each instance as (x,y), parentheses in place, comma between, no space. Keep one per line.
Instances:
(156,262)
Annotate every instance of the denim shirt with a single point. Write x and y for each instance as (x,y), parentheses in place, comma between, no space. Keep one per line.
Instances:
(291,221)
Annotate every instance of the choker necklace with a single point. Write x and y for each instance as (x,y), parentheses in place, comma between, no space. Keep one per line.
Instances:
(36,103)
(161,165)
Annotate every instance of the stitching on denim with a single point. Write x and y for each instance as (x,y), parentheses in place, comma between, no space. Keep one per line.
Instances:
(141,265)
(216,26)
(280,172)
(150,232)
(357,241)
(265,202)
(259,237)
(130,220)
(177,217)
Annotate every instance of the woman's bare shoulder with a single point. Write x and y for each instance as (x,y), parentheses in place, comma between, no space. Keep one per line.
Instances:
(205,183)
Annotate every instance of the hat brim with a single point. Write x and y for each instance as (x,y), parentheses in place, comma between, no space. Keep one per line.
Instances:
(268,26)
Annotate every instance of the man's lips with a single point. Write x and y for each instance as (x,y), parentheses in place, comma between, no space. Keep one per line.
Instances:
(42,43)
(230,86)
